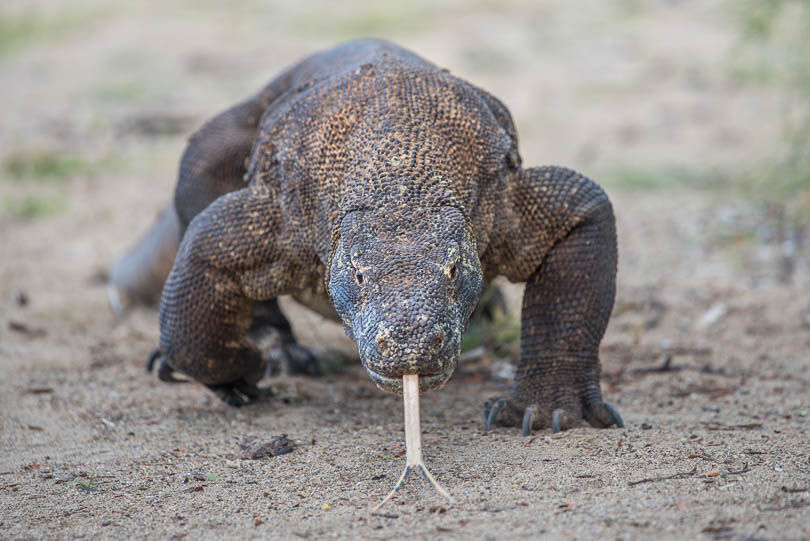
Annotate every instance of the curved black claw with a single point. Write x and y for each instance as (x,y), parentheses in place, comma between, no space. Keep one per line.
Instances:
(611,409)
(556,419)
(153,357)
(164,371)
(528,419)
(505,412)
(493,414)
(560,420)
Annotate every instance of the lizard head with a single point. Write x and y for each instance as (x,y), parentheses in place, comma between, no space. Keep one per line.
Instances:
(405,283)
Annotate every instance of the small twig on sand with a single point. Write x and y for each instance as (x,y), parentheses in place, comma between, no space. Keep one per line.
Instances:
(385,515)
(744,469)
(681,475)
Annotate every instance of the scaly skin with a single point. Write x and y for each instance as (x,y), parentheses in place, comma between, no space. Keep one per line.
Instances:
(394,190)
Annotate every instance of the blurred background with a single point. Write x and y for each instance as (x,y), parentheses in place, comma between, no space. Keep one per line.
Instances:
(646,94)
(695,116)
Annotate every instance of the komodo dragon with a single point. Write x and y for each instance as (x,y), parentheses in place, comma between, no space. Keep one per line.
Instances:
(368,179)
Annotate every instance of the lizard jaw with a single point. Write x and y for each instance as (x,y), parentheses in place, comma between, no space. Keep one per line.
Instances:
(426,383)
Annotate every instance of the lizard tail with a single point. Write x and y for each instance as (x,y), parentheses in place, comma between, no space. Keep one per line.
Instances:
(137,277)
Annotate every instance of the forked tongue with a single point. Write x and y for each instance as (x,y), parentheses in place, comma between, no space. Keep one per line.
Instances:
(413,439)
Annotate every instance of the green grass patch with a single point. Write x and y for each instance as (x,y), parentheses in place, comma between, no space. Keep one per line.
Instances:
(35,205)
(773,49)
(493,328)
(786,184)
(20,29)
(122,92)
(16,30)
(500,338)
(664,178)
(86,485)
(52,164)
(42,163)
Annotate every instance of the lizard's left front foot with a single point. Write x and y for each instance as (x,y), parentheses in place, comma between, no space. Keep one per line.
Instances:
(240,393)
(560,412)
(164,372)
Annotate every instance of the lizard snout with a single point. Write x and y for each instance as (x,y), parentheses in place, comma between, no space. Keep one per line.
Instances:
(405,340)
(395,350)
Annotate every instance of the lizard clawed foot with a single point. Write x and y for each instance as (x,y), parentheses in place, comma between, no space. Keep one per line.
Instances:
(237,394)
(240,393)
(165,372)
(282,354)
(501,411)
(153,358)
(504,412)
(291,359)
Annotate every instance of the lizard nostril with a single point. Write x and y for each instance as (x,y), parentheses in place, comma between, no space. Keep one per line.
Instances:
(382,343)
(437,341)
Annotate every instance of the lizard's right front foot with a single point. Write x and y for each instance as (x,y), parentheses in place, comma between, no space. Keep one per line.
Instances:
(236,393)
(562,412)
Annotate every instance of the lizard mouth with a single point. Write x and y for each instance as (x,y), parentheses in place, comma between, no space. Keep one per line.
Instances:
(428,382)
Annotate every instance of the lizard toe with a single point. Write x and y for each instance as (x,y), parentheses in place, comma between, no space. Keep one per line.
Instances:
(560,420)
(153,358)
(228,394)
(492,408)
(501,411)
(617,419)
(532,417)
(165,372)
(253,392)
(603,415)
(529,416)
(240,393)
(487,408)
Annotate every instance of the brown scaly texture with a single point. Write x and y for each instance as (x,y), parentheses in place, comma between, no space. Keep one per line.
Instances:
(392,189)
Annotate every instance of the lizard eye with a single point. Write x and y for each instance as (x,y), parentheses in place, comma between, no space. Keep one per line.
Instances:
(452,272)
(358,277)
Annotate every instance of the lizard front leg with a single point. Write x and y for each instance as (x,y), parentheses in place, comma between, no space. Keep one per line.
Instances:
(232,255)
(563,244)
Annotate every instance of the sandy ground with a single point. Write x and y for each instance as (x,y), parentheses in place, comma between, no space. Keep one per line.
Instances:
(706,356)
